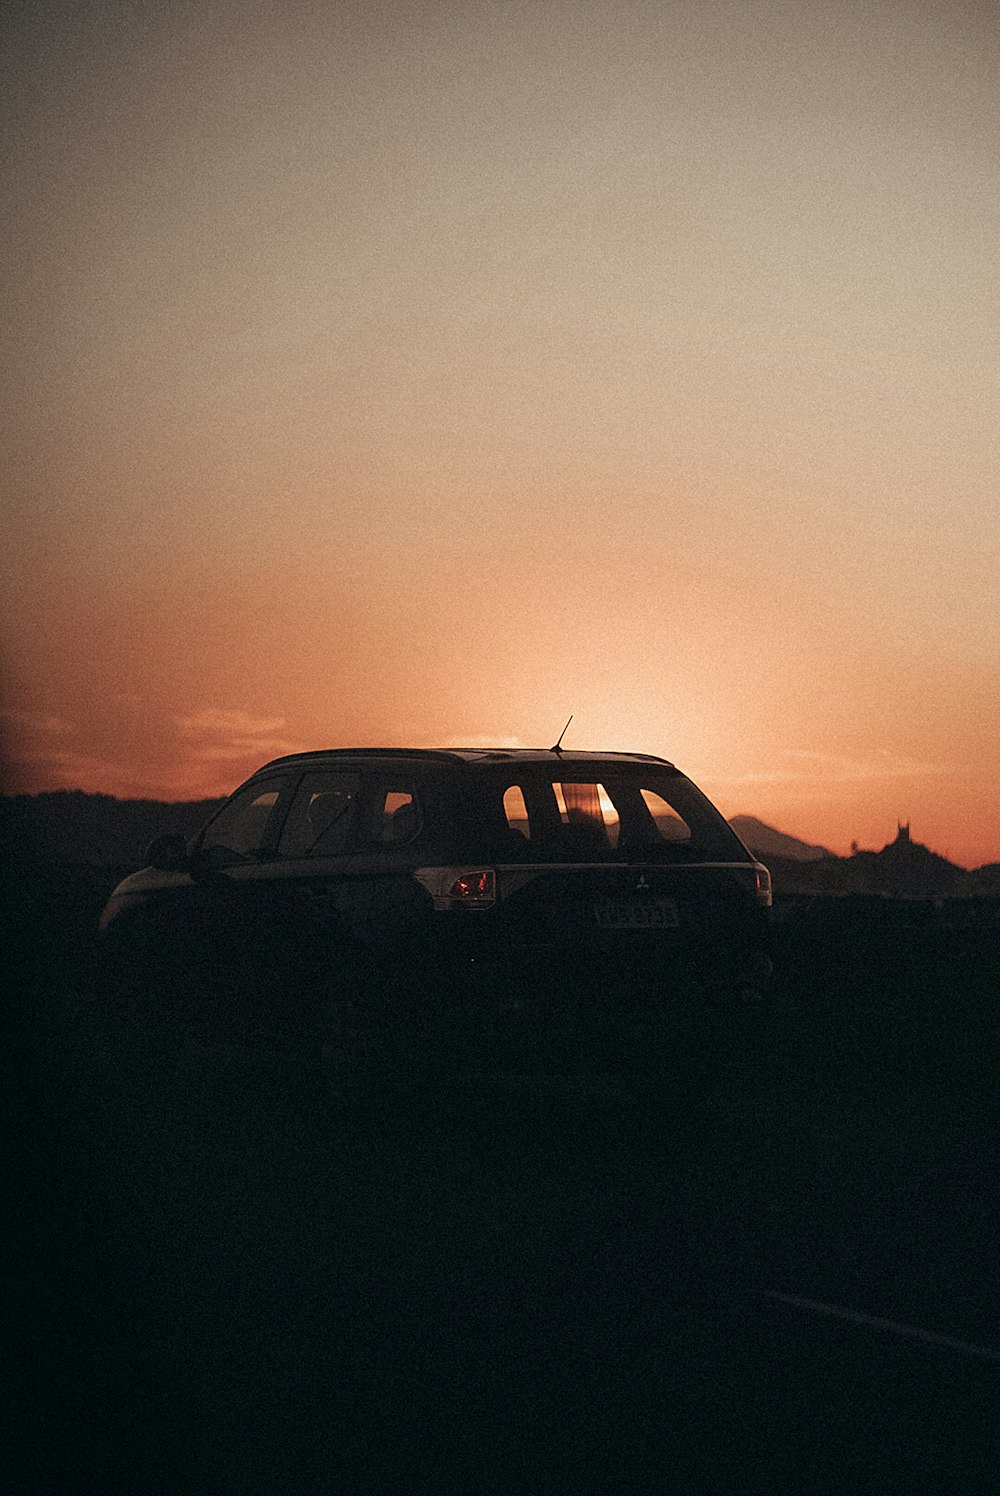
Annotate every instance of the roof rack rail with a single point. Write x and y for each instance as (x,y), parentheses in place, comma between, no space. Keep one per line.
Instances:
(459,755)
(313,753)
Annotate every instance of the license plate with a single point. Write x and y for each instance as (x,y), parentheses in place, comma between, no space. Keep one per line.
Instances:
(628,914)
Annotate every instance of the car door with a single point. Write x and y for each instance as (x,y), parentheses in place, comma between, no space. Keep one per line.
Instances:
(313,855)
(232,916)
(345,851)
(336,849)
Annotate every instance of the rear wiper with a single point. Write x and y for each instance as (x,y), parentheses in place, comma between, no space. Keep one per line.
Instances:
(658,851)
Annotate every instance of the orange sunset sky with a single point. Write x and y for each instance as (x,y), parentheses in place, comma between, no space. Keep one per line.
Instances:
(424,372)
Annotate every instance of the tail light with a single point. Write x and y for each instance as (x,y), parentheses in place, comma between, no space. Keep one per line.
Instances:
(762,885)
(478,887)
(459,887)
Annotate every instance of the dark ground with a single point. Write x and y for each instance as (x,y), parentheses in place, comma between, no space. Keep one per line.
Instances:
(235,1280)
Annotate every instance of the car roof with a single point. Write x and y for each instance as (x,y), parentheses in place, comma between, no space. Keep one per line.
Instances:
(466,755)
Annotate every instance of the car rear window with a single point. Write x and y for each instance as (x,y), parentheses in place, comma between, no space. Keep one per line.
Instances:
(516,812)
(564,817)
(670,826)
(588,816)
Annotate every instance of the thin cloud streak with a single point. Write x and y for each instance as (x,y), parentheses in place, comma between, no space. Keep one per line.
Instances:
(887,764)
(239,748)
(78,769)
(836,769)
(35,722)
(229,720)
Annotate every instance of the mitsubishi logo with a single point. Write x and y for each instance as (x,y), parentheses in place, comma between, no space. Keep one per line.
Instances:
(641,883)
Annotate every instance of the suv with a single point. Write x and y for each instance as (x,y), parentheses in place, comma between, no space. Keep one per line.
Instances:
(566,904)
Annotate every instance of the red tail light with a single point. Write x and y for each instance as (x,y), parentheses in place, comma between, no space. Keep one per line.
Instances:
(476,887)
(459,887)
(762,882)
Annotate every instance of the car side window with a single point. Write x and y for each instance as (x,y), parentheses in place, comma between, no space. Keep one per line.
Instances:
(240,827)
(321,818)
(397,815)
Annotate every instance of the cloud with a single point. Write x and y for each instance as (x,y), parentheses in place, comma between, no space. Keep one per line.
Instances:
(886,765)
(753,776)
(78,769)
(240,747)
(812,764)
(34,721)
(229,720)
(230,736)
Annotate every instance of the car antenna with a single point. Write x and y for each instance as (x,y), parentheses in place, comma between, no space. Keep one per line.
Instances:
(555,746)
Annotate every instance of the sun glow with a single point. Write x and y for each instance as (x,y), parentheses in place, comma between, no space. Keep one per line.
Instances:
(419,400)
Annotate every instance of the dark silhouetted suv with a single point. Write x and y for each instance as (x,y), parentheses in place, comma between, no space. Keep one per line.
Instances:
(541,907)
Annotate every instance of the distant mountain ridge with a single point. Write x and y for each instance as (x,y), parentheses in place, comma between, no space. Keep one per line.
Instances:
(767,841)
(99,830)
(71,826)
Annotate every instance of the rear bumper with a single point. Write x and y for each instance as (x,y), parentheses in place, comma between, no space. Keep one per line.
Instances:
(735,953)
(596,1005)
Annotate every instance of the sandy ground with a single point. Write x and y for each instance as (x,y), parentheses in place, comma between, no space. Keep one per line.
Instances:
(235,1278)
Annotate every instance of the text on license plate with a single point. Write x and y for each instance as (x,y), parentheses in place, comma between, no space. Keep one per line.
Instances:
(626,914)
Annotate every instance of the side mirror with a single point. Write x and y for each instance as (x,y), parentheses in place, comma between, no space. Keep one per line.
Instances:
(168,853)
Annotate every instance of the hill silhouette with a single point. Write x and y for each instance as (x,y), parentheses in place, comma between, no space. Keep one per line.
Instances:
(100,831)
(906,867)
(766,841)
(903,868)
(97,830)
